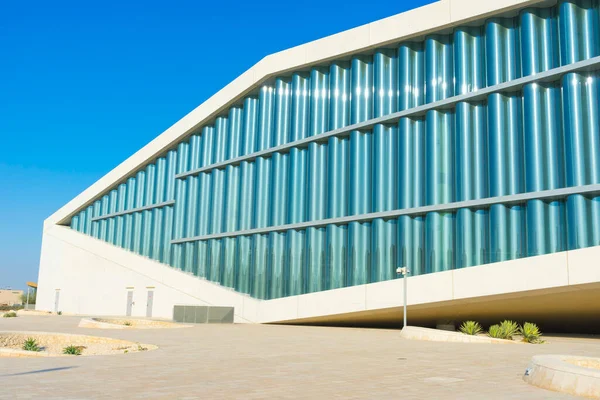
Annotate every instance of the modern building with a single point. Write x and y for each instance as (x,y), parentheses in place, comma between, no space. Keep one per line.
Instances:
(10,297)
(460,139)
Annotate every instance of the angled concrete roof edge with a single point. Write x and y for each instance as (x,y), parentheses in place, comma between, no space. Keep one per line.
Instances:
(435,16)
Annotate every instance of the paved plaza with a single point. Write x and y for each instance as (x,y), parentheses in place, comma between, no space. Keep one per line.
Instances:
(278,362)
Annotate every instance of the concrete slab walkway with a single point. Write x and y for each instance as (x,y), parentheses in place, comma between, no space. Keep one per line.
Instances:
(278,362)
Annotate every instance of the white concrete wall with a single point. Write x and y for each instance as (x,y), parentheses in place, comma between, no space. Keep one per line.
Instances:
(93,277)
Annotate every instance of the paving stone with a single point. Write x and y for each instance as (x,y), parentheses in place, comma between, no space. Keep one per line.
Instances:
(278,362)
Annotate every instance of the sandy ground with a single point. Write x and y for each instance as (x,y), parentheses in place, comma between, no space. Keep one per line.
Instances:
(140,323)
(54,343)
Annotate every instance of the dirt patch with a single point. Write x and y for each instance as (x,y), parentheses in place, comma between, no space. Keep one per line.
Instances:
(133,323)
(53,344)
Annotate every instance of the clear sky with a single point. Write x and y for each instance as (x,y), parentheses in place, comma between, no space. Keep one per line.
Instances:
(83,85)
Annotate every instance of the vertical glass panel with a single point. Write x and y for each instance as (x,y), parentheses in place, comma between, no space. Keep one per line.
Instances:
(190,264)
(439,241)
(337,166)
(439,72)
(129,204)
(544,167)
(385,179)
(147,216)
(503,57)
(582,150)
(74,222)
(411,193)
(205,193)
(159,213)
(170,171)
(472,233)
(103,223)
(218,199)
(245,271)
(138,221)
(232,206)
(262,198)
(181,194)
(579,30)
(96,212)
(317,182)
(506,176)
(279,192)
(411,75)
(385,82)
(297,185)
(120,220)
(361,172)
(539,40)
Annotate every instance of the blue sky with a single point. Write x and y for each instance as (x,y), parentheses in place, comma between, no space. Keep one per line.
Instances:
(84,85)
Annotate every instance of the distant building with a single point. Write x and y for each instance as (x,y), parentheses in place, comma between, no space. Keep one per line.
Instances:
(460,139)
(10,297)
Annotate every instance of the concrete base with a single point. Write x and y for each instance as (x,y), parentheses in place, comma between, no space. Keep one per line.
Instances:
(559,292)
(579,376)
(436,335)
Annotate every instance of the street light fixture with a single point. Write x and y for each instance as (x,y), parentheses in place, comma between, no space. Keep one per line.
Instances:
(403,271)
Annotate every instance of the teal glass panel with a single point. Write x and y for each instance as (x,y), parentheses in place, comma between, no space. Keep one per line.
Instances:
(411,193)
(579,30)
(472,231)
(337,170)
(148,215)
(582,151)
(544,167)
(317,182)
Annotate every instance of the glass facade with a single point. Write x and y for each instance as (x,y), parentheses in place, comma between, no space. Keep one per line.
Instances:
(540,136)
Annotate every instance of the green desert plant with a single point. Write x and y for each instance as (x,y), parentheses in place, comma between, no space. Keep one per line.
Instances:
(31,345)
(59,313)
(32,297)
(11,314)
(141,348)
(495,332)
(127,323)
(471,328)
(73,350)
(509,329)
(531,333)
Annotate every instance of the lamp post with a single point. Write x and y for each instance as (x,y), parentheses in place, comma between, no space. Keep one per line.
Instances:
(404,271)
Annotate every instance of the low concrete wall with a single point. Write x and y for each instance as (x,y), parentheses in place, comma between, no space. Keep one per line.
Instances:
(437,335)
(562,373)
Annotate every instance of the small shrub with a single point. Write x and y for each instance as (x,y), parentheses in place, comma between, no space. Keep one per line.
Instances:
(31,345)
(11,314)
(509,329)
(531,333)
(495,332)
(126,351)
(73,350)
(59,313)
(140,348)
(14,307)
(471,328)
(127,323)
